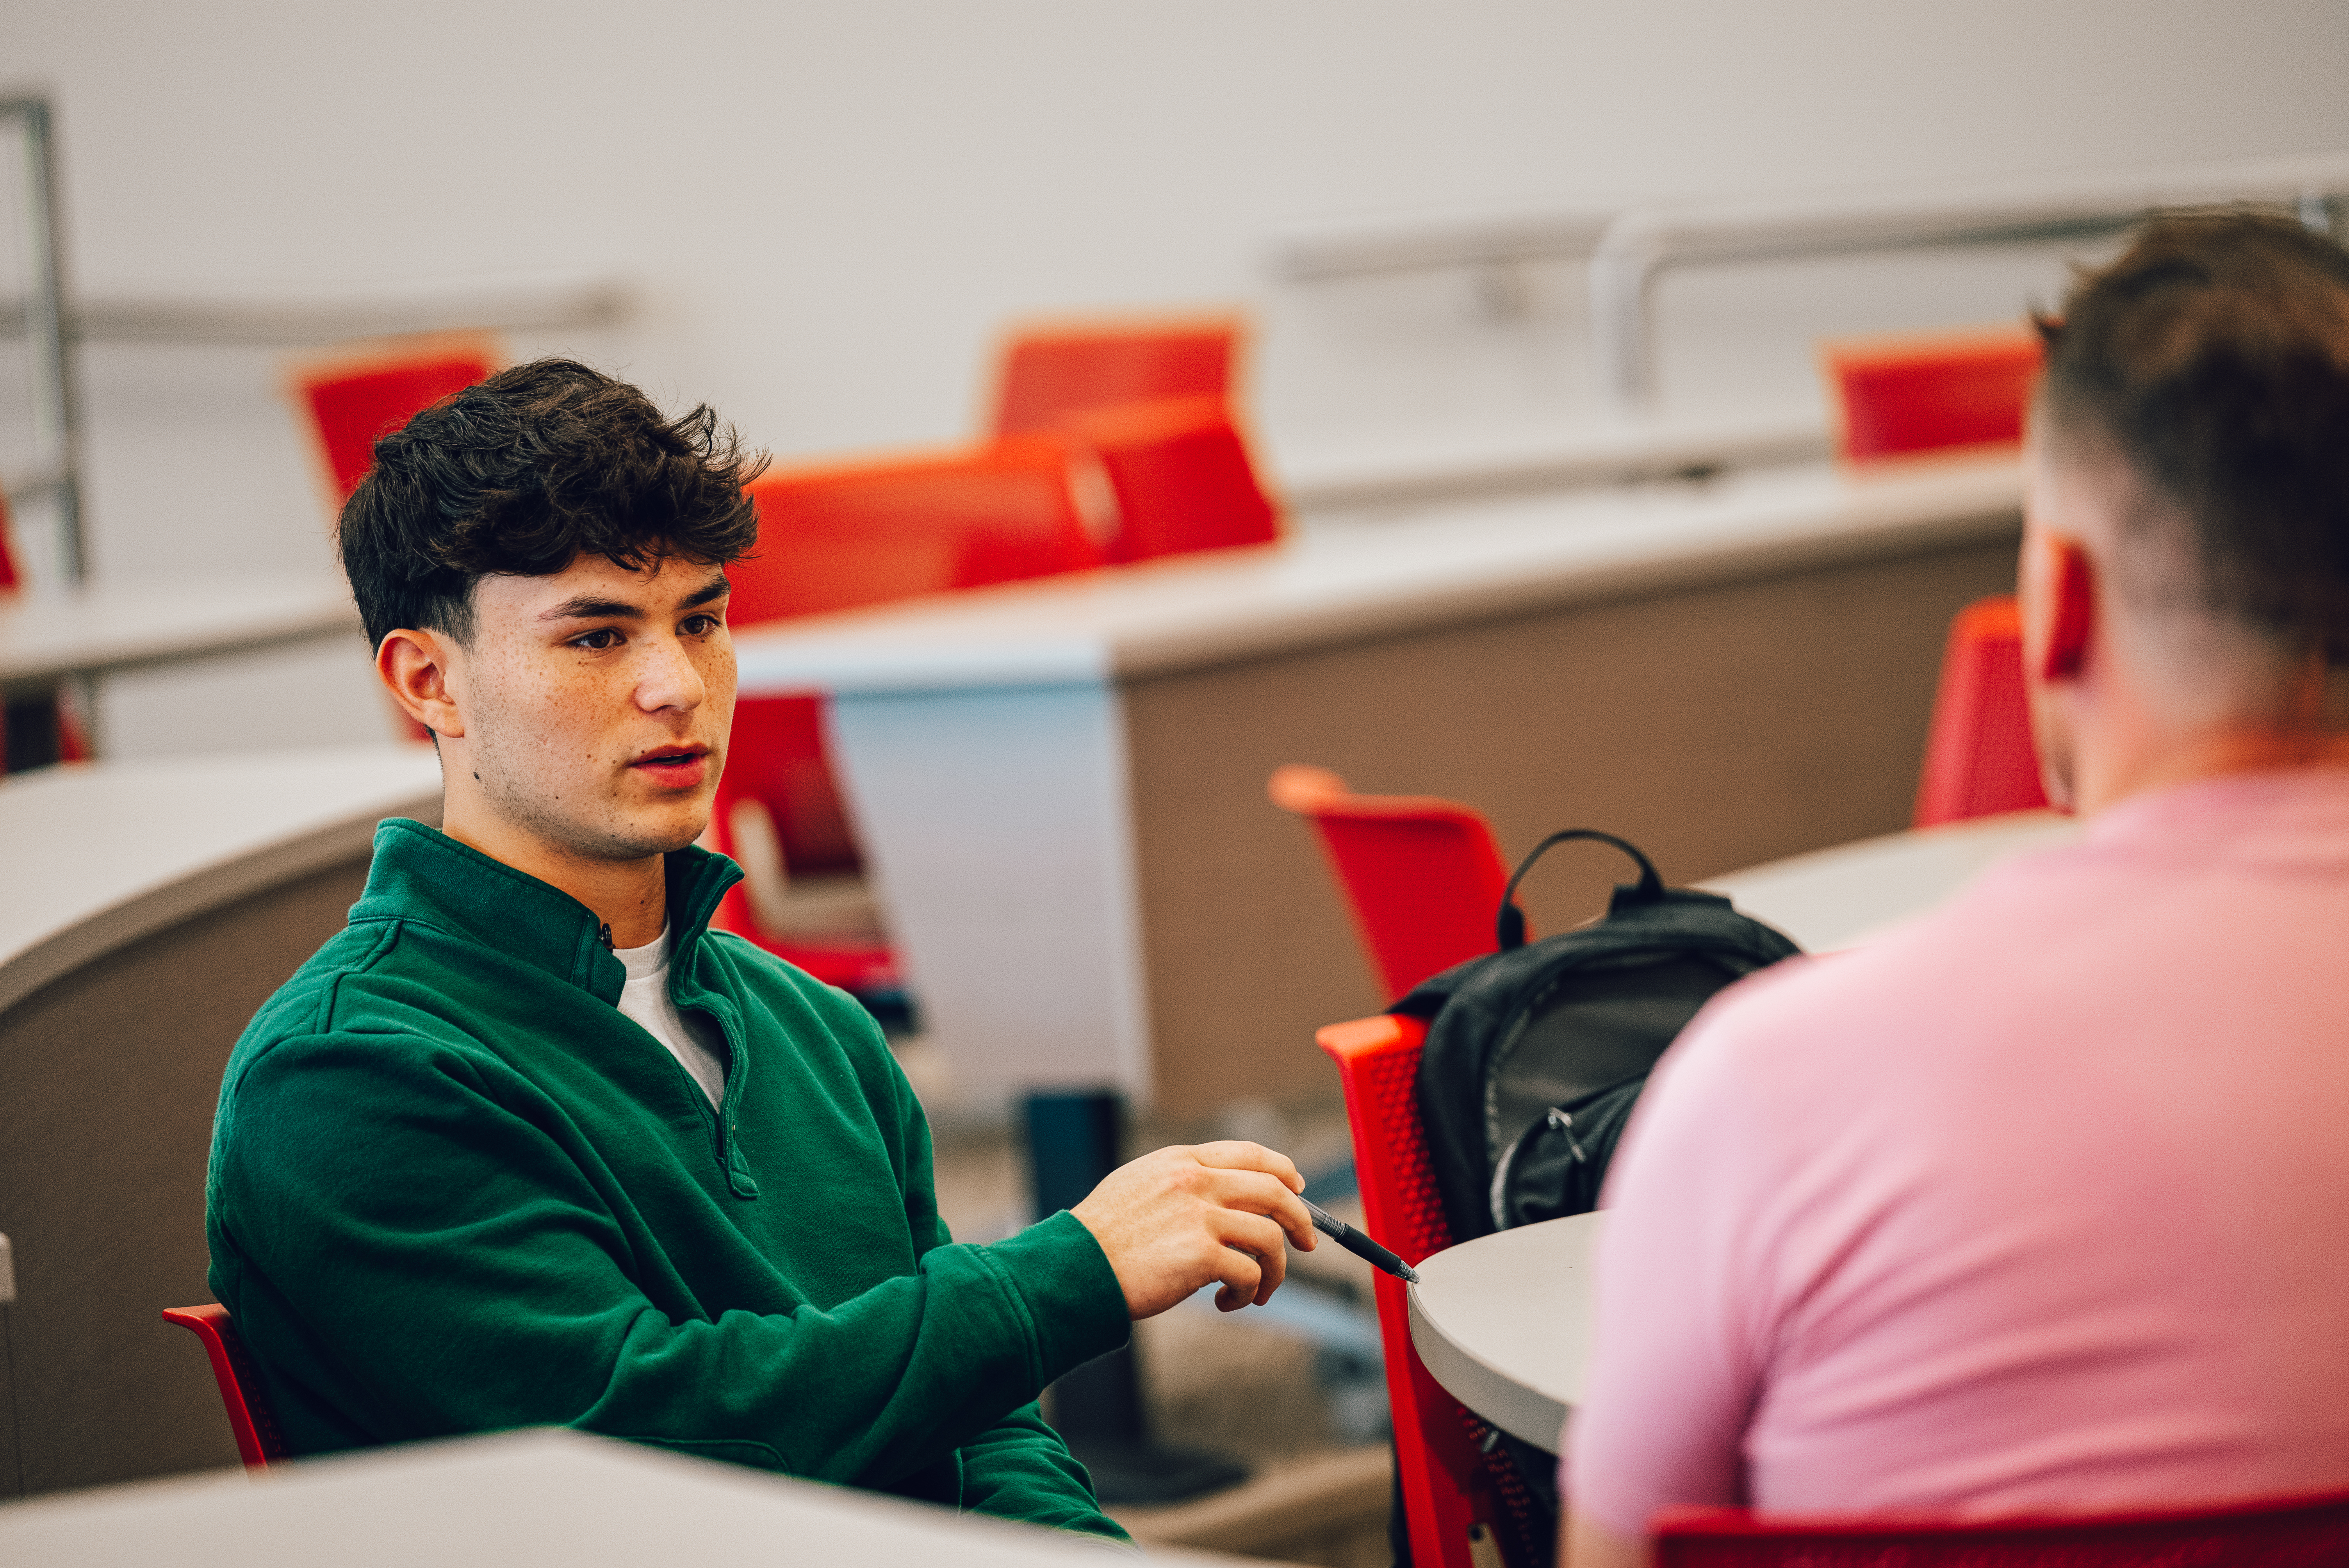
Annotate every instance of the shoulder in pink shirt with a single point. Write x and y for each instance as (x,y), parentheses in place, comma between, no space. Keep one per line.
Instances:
(2041,1203)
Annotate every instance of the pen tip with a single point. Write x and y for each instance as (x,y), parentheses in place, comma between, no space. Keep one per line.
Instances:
(1410,1275)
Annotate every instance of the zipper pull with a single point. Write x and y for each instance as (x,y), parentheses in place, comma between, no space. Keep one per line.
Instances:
(604,936)
(1558,1118)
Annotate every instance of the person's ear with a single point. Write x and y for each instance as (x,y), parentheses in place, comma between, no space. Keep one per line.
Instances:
(2072,589)
(415,665)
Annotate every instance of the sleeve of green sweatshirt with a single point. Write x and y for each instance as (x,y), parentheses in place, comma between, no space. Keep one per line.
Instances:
(417,1240)
(1019,1468)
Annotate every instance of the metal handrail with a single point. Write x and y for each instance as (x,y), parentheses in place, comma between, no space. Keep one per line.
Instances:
(55,424)
(1640,244)
(298,316)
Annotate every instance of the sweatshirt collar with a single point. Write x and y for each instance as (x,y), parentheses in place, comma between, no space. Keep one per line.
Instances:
(421,873)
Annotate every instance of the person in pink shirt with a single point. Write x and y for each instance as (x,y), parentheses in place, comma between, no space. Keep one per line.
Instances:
(2041,1203)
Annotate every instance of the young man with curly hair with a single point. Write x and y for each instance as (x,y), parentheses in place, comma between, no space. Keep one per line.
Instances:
(528,1143)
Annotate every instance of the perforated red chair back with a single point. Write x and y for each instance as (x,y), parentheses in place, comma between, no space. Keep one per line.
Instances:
(1180,476)
(1421,874)
(250,1419)
(1920,395)
(845,535)
(1979,758)
(1448,1486)
(10,579)
(352,403)
(2309,1531)
(1050,372)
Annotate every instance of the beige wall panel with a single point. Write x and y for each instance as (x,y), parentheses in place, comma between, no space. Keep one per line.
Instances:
(1717,728)
(111,1075)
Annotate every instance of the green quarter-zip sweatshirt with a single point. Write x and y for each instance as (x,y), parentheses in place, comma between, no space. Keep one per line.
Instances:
(454,1188)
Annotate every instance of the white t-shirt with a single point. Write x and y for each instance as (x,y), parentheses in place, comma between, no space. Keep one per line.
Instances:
(645,999)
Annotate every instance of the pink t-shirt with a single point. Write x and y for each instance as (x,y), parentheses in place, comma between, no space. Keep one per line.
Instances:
(2041,1203)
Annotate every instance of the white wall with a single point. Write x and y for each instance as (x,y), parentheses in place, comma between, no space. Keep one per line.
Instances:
(829,209)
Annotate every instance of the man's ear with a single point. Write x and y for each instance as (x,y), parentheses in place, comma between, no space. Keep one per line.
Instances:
(2071,591)
(415,665)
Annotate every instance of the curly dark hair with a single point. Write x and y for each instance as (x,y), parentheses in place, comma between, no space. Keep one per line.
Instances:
(523,473)
(2212,358)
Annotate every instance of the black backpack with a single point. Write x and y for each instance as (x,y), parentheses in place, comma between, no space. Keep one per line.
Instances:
(1535,1057)
(1535,1053)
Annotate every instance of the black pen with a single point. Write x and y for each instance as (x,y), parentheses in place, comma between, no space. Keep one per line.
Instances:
(1361,1246)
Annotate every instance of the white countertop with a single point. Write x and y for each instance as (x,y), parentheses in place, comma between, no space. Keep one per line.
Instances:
(93,855)
(517,1499)
(1839,897)
(1461,561)
(121,625)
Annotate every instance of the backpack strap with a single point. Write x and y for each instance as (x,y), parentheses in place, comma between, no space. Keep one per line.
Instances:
(1509,926)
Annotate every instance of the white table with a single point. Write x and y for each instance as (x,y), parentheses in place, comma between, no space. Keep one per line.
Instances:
(1503,1321)
(149,907)
(1059,784)
(548,1497)
(104,627)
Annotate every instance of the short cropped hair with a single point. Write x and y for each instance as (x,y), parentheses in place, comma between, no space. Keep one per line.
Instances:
(2212,358)
(525,472)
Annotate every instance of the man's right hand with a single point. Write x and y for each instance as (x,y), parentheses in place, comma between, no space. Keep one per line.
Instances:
(1170,1223)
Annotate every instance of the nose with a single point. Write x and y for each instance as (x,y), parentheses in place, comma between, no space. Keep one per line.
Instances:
(669,677)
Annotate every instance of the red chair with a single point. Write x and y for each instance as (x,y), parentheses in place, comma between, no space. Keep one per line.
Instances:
(1978,755)
(352,402)
(2282,1533)
(838,537)
(1421,874)
(1921,395)
(1050,372)
(49,723)
(845,535)
(1451,1486)
(258,1440)
(776,765)
(1181,475)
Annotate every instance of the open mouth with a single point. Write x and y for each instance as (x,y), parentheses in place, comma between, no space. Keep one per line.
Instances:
(681,766)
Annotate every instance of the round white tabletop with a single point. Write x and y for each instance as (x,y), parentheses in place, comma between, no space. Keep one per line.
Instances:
(1504,1323)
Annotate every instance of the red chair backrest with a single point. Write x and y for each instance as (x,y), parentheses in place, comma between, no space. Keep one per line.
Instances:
(1050,372)
(846,535)
(1979,758)
(258,1440)
(1921,395)
(353,402)
(2284,1532)
(1421,874)
(1181,475)
(1447,1485)
(9,577)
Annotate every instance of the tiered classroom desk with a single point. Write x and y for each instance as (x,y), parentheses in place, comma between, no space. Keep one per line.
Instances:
(1059,784)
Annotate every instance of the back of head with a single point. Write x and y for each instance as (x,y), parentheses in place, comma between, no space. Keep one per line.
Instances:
(523,473)
(2211,360)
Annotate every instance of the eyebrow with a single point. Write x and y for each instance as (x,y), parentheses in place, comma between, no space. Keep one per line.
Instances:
(586,608)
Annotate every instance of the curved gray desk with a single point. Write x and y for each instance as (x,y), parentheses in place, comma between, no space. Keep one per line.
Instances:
(149,908)
(104,627)
(1503,1321)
